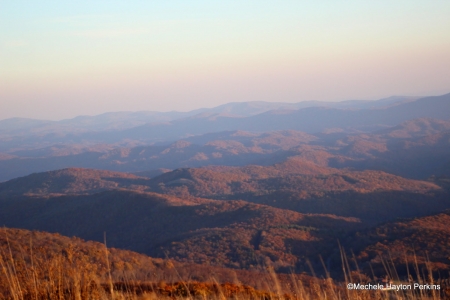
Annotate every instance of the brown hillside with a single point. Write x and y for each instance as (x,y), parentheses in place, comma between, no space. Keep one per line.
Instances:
(420,242)
(228,233)
(70,181)
(51,266)
(372,196)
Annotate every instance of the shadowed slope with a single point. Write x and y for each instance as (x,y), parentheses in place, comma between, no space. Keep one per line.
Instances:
(412,243)
(418,157)
(161,225)
(372,196)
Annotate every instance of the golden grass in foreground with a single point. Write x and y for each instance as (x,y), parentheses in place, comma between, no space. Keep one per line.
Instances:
(36,273)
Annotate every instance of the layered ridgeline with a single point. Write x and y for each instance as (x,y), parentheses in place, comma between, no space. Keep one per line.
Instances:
(124,120)
(224,148)
(292,211)
(417,148)
(371,196)
(313,117)
(232,135)
(369,182)
(228,233)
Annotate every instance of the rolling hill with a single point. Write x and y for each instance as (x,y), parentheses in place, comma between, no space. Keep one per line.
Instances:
(418,246)
(290,210)
(70,181)
(372,196)
(418,149)
(239,186)
(229,233)
(225,148)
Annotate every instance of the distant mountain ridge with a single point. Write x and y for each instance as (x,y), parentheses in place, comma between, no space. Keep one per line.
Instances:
(416,128)
(416,148)
(242,109)
(229,148)
(241,186)
(358,138)
(85,127)
(309,119)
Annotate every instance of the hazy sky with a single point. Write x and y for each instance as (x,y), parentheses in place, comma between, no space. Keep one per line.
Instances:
(59,59)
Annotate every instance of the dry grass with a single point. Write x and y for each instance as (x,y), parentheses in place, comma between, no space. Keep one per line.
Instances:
(30,274)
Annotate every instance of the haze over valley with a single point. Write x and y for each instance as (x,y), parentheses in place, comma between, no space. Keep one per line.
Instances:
(224,150)
(226,195)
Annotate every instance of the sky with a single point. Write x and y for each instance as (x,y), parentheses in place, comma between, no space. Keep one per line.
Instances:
(60,59)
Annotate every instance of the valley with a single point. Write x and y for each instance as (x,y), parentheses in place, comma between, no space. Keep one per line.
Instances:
(293,199)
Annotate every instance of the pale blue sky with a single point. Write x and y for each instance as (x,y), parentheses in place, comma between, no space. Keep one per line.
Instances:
(59,59)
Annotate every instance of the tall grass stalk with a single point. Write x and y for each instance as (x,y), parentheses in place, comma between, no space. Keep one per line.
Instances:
(25,276)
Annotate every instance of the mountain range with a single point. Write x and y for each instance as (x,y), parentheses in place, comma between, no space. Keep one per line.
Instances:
(139,128)
(235,217)
(416,148)
(298,188)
